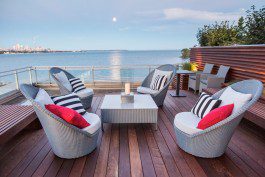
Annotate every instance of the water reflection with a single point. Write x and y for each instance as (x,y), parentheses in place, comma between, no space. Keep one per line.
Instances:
(115,59)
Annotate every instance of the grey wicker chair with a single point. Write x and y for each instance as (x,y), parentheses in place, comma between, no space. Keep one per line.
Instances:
(194,80)
(212,142)
(66,140)
(86,100)
(159,96)
(214,81)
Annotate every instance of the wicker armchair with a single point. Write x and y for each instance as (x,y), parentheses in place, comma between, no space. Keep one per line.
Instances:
(194,80)
(66,140)
(85,99)
(159,96)
(214,81)
(212,142)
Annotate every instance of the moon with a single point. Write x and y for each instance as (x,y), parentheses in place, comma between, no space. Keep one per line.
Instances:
(114,19)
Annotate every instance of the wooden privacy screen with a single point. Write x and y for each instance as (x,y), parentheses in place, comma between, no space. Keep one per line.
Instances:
(245,61)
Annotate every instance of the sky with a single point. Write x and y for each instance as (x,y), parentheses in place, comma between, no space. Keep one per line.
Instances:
(112,24)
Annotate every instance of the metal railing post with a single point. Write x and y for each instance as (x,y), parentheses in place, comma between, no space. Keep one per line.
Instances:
(30,76)
(36,75)
(93,76)
(49,75)
(16,79)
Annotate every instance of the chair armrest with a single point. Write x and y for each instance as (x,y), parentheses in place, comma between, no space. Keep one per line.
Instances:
(205,75)
(215,82)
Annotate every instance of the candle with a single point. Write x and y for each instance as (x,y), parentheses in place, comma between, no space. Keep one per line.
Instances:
(127,88)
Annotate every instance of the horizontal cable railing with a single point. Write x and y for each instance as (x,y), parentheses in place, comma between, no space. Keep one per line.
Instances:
(39,75)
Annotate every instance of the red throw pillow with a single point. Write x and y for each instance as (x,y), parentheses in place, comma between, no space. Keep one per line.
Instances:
(69,115)
(215,116)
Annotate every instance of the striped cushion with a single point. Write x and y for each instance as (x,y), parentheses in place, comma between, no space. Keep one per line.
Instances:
(204,105)
(77,84)
(70,101)
(159,82)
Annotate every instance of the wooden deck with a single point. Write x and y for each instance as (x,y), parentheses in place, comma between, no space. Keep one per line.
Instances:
(137,150)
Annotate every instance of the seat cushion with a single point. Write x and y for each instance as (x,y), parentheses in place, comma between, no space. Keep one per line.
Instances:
(69,115)
(146,90)
(161,73)
(187,122)
(85,93)
(204,105)
(215,116)
(77,84)
(71,101)
(159,82)
(230,96)
(94,121)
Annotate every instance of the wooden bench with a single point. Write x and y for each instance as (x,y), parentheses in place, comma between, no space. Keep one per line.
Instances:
(13,119)
(255,114)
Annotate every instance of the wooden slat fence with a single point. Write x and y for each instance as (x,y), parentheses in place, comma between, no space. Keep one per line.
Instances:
(246,62)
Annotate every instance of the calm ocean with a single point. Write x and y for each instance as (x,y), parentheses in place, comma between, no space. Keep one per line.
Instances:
(90,58)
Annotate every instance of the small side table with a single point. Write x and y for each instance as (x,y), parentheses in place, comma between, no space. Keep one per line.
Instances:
(178,73)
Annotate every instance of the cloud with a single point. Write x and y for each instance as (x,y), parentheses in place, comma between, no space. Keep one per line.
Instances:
(180,13)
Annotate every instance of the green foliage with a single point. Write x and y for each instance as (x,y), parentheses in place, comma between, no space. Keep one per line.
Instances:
(190,66)
(255,26)
(185,53)
(250,30)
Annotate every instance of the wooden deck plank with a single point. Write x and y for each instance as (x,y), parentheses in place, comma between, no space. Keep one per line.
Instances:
(36,161)
(19,152)
(147,164)
(157,159)
(124,162)
(45,164)
(135,160)
(113,160)
(21,166)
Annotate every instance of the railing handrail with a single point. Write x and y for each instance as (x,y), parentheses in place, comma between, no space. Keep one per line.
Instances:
(17,69)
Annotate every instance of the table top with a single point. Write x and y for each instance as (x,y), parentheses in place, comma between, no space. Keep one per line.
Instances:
(140,102)
(180,71)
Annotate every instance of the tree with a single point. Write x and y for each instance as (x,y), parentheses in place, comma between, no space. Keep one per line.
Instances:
(185,53)
(220,34)
(248,30)
(255,26)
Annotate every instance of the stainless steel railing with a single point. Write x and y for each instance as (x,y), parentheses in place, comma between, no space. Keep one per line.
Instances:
(10,80)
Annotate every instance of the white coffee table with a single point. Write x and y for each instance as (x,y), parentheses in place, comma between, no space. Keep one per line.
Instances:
(143,110)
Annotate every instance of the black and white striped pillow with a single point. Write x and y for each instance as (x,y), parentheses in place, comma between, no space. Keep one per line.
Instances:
(70,101)
(159,82)
(204,105)
(77,84)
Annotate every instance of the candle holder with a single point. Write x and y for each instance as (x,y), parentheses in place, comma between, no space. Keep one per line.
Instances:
(127,96)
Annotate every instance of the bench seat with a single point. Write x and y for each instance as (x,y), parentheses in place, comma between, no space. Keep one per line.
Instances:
(13,119)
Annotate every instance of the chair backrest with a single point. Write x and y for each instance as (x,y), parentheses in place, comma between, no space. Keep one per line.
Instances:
(222,72)
(168,67)
(208,68)
(55,70)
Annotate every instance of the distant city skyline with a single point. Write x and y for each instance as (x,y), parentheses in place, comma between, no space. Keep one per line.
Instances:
(112,25)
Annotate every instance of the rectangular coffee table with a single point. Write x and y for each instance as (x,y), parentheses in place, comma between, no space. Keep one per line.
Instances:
(143,110)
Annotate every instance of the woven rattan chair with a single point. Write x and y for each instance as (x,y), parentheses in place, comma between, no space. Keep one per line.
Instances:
(214,81)
(212,142)
(66,140)
(194,80)
(158,96)
(85,99)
